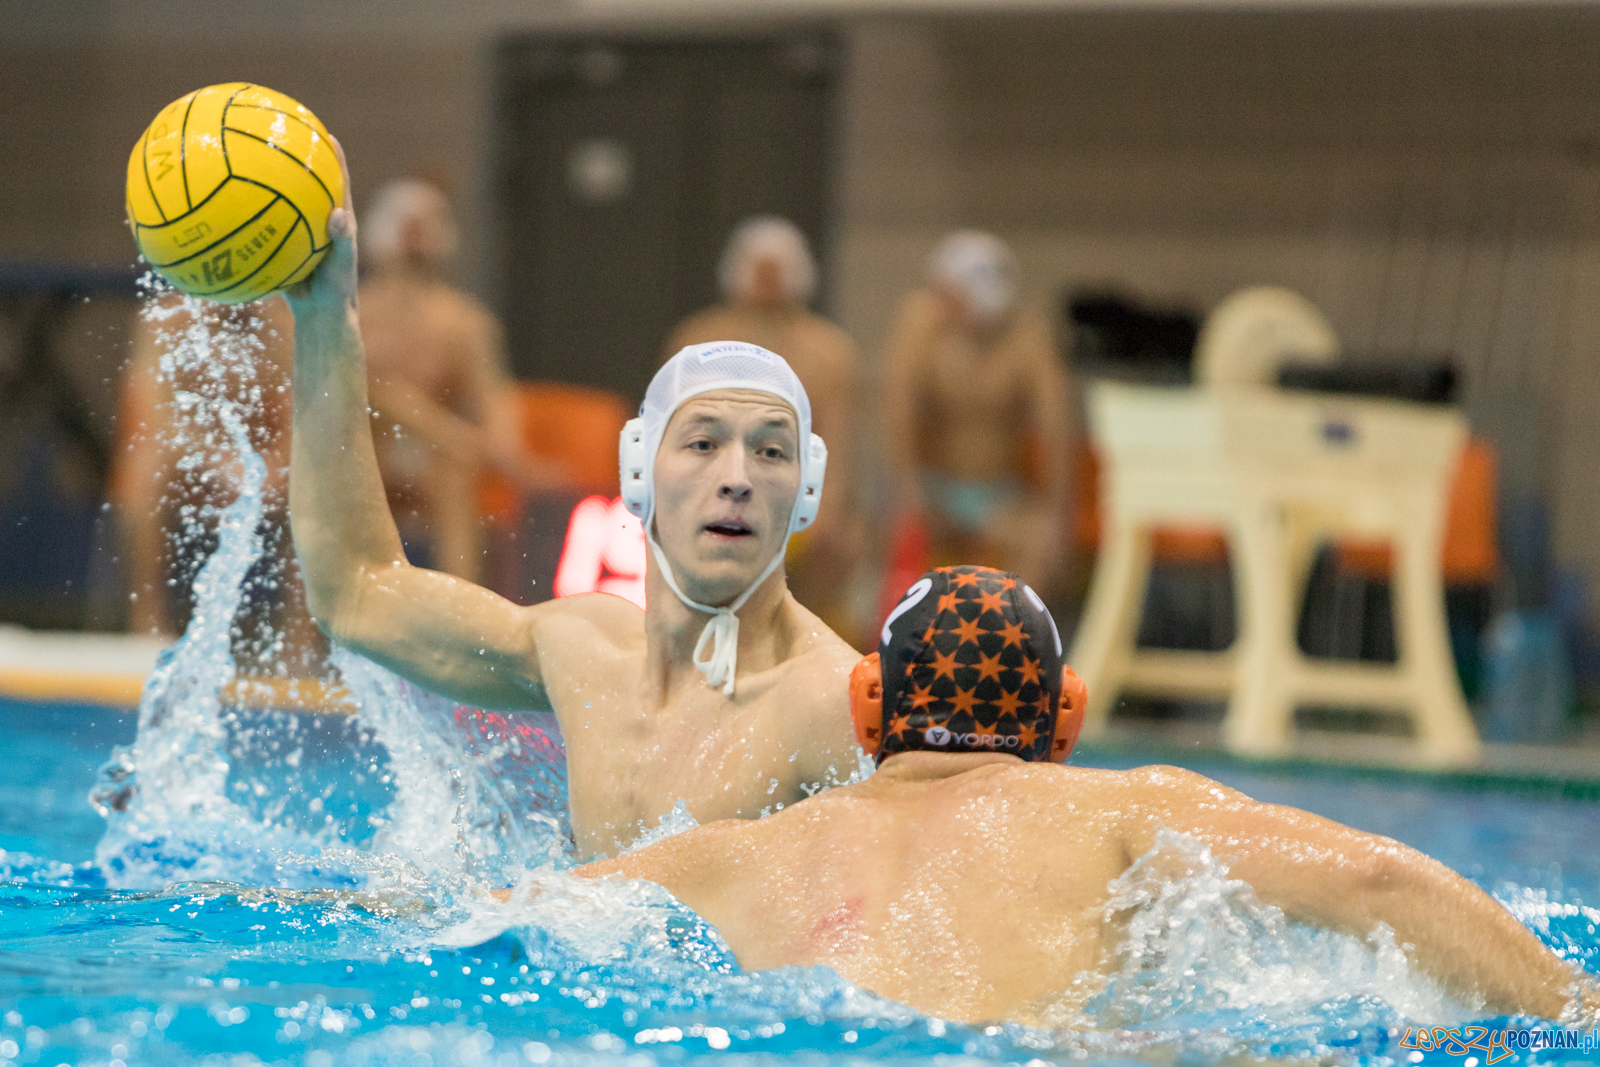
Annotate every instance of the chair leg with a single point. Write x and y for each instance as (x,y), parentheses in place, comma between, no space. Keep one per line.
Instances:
(1103,648)
(1445,731)
(1261,709)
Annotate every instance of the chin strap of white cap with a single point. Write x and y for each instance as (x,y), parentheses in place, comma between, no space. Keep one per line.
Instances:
(722,631)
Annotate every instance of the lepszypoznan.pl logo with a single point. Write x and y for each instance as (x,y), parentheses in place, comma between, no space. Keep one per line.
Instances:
(1488,1046)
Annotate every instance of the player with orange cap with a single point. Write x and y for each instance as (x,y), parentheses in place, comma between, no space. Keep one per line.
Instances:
(970,877)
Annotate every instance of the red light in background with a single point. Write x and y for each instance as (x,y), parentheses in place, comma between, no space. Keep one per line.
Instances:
(603,553)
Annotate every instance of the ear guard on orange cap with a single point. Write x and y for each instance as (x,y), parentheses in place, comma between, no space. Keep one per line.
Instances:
(866,703)
(866,708)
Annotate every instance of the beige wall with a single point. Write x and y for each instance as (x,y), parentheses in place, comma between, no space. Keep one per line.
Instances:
(1431,179)
(73,112)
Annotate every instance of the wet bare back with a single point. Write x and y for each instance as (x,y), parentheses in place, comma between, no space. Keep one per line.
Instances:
(976,887)
(932,892)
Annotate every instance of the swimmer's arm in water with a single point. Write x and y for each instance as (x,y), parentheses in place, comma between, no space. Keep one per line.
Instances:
(692,866)
(1319,871)
(453,637)
(712,870)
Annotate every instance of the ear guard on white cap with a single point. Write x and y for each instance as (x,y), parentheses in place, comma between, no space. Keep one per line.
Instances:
(810,498)
(631,460)
(636,487)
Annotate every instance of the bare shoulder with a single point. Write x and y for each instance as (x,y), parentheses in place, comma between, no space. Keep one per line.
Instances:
(589,620)
(1160,781)
(707,324)
(1033,343)
(918,314)
(473,309)
(460,310)
(828,344)
(1080,789)
(816,681)
(1051,783)
(819,656)
(809,706)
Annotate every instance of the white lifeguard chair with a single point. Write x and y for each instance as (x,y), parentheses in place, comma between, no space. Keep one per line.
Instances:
(1281,474)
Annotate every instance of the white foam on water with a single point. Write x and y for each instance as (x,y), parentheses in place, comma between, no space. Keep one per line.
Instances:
(1201,952)
(671,824)
(451,815)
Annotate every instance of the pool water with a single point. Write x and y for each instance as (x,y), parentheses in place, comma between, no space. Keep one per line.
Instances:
(269,957)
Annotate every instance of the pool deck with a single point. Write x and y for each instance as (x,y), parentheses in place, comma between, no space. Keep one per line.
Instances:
(1571,771)
(108,670)
(77,668)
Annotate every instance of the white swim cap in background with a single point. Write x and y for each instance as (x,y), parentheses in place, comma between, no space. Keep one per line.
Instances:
(768,236)
(383,227)
(981,268)
(702,369)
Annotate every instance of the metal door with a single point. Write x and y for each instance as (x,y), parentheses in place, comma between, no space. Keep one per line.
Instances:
(623,167)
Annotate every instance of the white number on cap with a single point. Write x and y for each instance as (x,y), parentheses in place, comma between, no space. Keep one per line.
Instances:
(912,598)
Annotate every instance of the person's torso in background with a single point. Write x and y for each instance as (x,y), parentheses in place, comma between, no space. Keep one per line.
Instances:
(972,397)
(252,378)
(428,336)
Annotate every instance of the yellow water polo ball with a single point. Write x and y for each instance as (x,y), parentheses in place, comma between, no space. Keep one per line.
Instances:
(229,192)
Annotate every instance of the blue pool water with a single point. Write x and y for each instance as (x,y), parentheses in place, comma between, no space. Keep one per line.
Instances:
(197,884)
(168,969)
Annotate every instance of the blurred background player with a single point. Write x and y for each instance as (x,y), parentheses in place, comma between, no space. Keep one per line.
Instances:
(165,510)
(442,398)
(975,400)
(768,279)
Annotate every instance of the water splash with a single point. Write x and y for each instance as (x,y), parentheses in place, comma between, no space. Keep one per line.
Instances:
(1200,953)
(412,793)
(671,824)
(1203,970)
(167,789)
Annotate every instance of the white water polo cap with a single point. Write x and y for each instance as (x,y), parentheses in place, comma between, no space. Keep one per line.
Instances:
(693,371)
(981,268)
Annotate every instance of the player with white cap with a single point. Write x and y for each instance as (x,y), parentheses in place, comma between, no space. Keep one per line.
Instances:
(695,371)
(768,278)
(736,714)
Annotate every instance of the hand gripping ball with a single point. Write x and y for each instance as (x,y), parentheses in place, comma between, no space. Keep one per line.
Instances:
(229,192)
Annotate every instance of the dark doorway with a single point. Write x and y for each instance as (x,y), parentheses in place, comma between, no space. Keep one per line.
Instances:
(623,167)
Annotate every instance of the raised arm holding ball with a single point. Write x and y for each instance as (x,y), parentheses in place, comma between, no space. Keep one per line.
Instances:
(725,693)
